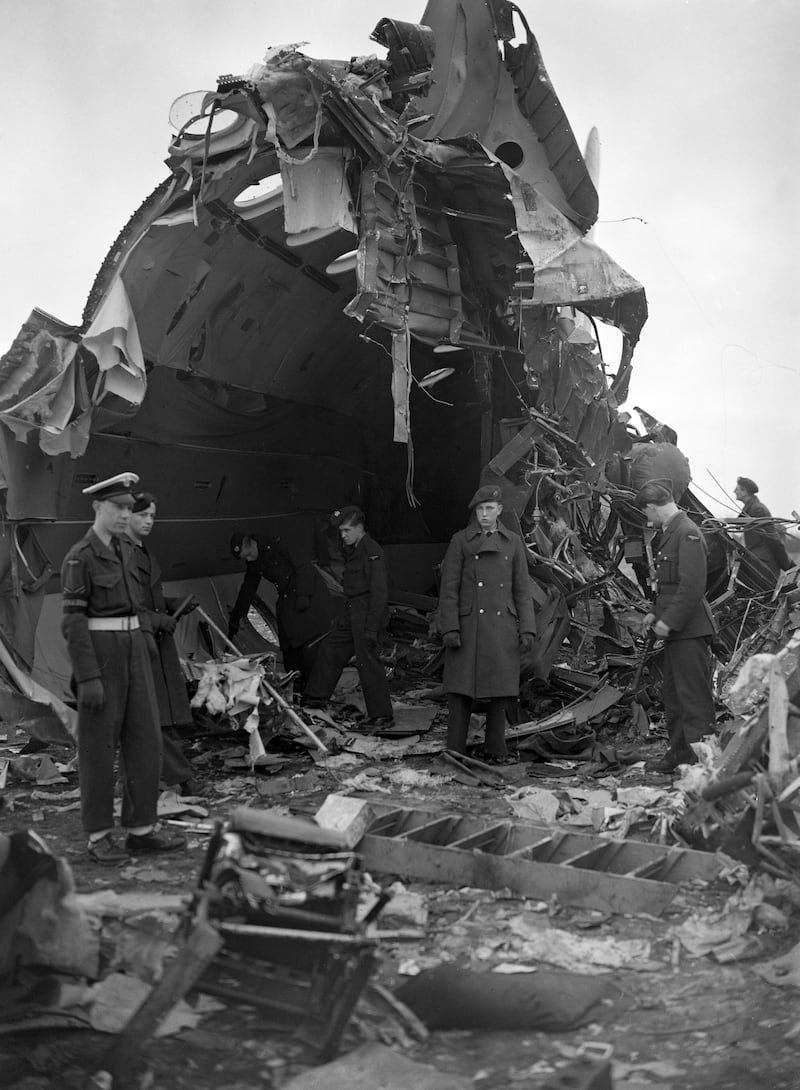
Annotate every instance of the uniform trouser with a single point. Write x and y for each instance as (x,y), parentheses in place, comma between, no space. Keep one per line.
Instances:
(128,721)
(687,692)
(174,766)
(459,708)
(344,640)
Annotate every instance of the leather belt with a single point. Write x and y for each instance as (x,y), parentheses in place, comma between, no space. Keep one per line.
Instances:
(113,624)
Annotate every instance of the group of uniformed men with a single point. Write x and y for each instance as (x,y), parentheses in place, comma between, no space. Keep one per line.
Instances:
(130,690)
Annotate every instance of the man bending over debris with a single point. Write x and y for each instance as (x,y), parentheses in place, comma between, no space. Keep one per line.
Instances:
(682,618)
(486,619)
(304,607)
(111,671)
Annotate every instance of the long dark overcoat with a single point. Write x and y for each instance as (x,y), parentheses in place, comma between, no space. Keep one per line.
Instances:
(173,701)
(485,597)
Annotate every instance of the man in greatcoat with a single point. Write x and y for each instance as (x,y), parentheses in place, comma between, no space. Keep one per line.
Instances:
(486,619)
(305,608)
(681,617)
(158,625)
(113,682)
(760,537)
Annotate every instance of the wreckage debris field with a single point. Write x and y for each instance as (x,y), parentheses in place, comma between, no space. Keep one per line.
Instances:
(667,1019)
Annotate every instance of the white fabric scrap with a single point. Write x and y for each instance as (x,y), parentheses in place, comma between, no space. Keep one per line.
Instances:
(534,804)
(578,953)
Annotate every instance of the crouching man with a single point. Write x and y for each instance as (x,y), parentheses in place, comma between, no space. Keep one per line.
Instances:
(113,682)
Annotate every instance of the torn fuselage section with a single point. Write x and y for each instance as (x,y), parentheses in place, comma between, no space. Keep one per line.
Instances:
(280,306)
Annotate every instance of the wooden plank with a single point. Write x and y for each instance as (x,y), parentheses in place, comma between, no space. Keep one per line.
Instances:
(526,878)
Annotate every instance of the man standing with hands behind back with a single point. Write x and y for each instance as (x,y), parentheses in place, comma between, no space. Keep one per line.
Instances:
(682,618)
(111,672)
(486,619)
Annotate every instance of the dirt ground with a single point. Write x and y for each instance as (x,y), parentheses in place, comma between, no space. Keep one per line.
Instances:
(678,1022)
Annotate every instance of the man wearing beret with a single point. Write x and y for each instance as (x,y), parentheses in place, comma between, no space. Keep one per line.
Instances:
(486,619)
(762,539)
(158,624)
(114,684)
(358,631)
(682,618)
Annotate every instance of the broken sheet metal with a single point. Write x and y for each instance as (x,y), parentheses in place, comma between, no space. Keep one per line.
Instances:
(744,797)
(234,688)
(41,387)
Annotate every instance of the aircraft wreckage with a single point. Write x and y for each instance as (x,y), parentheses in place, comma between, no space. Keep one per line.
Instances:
(368,281)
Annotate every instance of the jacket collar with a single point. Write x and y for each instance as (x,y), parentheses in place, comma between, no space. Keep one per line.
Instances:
(99,547)
(474,530)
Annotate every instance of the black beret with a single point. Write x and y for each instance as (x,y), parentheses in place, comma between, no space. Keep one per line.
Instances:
(748,484)
(141,501)
(487,493)
(347,516)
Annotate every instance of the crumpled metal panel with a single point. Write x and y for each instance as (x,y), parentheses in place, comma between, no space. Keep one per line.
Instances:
(407,262)
(509,105)
(540,105)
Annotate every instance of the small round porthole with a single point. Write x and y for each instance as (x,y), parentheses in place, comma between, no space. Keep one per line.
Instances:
(190,115)
(510,153)
(264,194)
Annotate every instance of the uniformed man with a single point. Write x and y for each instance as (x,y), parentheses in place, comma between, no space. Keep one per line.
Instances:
(159,625)
(760,538)
(304,608)
(486,619)
(360,629)
(682,618)
(113,681)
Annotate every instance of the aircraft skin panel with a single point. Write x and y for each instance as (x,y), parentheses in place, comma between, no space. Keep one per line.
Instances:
(273,385)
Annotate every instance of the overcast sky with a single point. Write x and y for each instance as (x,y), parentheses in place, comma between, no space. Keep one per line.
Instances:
(696,102)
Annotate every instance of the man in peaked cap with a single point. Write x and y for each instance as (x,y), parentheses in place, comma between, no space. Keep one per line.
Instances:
(760,538)
(113,681)
(359,630)
(682,618)
(486,619)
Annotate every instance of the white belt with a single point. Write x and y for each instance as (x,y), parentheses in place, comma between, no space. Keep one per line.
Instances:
(113,624)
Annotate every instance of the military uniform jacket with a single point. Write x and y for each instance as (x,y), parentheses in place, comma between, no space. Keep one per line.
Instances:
(304,607)
(485,596)
(364,576)
(763,540)
(681,571)
(96,581)
(173,702)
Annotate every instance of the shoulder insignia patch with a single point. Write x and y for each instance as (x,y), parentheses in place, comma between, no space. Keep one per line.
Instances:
(693,537)
(375,557)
